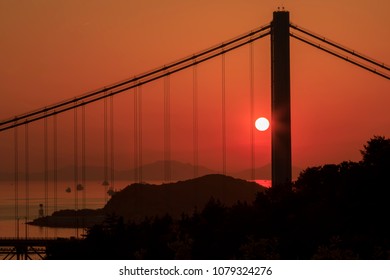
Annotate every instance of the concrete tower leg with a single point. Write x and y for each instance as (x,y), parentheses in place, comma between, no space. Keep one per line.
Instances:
(280,100)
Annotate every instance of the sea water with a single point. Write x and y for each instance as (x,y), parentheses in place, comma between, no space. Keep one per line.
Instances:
(18,206)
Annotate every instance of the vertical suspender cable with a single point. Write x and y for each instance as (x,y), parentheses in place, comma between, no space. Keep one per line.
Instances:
(76,173)
(252,101)
(46,163)
(112,141)
(83,163)
(105,182)
(195,120)
(167,144)
(223,116)
(27,171)
(135,128)
(55,164)
(137,134)
(140,133)
(167,130)
(16,181)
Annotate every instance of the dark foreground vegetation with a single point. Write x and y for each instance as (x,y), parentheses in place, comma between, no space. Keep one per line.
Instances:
(333,212)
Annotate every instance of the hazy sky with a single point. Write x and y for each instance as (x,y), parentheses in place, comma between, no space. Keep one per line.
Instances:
(54,50)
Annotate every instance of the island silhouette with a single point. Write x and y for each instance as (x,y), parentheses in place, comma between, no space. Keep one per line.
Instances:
(142,200)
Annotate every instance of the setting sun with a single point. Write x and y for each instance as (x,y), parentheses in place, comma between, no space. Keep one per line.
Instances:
(262,124)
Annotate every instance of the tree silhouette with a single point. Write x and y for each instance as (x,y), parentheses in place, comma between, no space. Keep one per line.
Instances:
(376,153)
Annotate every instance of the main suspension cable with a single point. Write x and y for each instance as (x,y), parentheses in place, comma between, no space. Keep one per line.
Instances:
(136,81)
(346,58)
(340,47)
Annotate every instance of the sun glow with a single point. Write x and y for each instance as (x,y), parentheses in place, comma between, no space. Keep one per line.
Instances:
(262,124)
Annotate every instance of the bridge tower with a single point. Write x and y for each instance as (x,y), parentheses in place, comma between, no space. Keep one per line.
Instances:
(280,100)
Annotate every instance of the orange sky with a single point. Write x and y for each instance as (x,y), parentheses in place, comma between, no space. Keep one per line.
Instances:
(54,50)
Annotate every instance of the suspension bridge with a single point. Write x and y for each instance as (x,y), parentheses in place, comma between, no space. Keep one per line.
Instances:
(71,116)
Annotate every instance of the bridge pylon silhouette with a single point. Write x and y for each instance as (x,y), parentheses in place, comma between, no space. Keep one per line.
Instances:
(281,31)
(280,100)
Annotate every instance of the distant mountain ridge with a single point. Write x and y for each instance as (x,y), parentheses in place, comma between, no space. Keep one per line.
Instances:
(155,171)
(150,172)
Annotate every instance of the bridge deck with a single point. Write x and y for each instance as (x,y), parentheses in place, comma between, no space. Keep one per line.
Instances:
(29,248)
(12,241)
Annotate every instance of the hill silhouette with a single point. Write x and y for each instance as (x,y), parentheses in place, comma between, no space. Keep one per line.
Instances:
(139,201)
(146,200)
